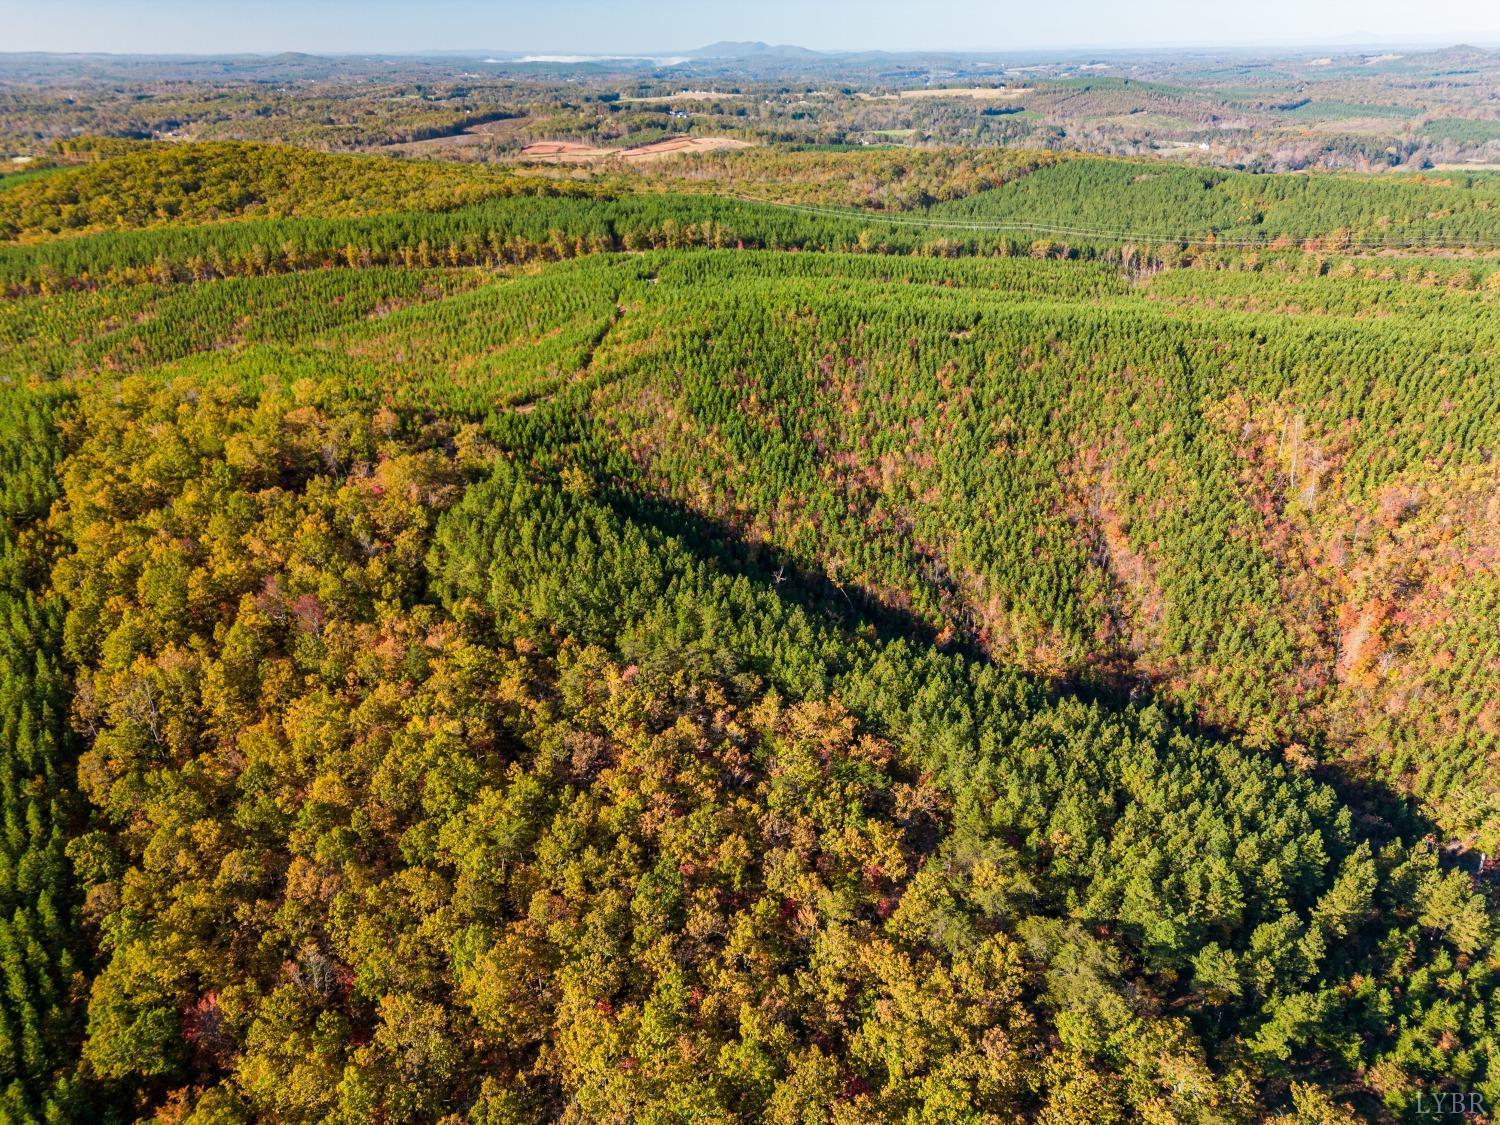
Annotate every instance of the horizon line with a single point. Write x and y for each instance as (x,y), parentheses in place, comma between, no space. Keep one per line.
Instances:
(1489,41)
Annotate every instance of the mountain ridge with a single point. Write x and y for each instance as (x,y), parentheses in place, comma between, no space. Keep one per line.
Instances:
(743,49)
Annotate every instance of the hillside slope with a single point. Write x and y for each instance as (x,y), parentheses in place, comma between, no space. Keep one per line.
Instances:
(742,683)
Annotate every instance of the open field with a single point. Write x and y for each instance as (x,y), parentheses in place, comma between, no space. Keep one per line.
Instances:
(976,93)
(567,152)
(972,93)
(474,137)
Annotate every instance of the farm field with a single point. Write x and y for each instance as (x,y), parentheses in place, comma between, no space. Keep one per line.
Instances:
(563,152)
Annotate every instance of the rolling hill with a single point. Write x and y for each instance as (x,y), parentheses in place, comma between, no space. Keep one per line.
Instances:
(533,651)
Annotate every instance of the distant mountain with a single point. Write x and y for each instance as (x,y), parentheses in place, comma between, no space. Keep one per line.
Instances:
(728,50)
(1464,54)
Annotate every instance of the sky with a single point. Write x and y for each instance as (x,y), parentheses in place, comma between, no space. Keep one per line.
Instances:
(665,26)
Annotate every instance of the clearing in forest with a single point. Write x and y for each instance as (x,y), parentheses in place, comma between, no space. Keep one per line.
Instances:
(568,152)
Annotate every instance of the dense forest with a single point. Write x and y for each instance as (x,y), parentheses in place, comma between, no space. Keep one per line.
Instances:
(164,214)
(498,648)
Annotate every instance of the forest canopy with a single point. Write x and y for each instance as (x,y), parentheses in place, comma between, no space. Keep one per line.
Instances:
(478,648)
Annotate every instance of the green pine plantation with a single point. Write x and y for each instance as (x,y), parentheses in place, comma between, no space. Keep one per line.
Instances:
(480,648)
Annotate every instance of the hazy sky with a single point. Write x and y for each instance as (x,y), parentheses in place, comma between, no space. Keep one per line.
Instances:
(626,26)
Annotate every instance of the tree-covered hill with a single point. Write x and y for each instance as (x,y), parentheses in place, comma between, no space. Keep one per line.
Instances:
(197,211)
(1152,202)
(154,186)
(761,667)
